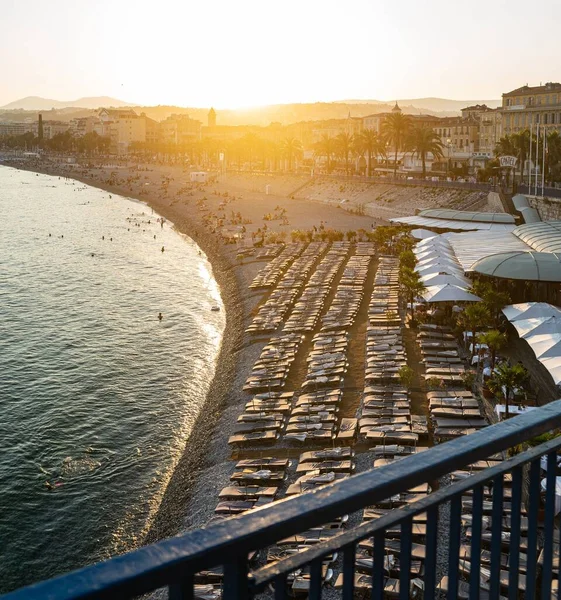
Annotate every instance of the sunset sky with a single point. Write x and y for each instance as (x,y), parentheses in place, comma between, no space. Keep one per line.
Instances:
(253,52)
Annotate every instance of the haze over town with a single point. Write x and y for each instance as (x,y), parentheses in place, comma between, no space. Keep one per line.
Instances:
(249,53)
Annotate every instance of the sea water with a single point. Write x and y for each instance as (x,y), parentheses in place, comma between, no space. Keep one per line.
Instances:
(97,394)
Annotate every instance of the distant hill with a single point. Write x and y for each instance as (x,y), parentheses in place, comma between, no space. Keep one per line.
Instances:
(434,105)
(38,103)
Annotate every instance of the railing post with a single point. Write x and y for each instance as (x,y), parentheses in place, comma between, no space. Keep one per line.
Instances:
(430,552)
(534,496)
(349,557)
(549,525)
(475,548)
(454,546)
(182,590)
(236,585)
(405,559)
(378,566)
(514,555)
(496,537)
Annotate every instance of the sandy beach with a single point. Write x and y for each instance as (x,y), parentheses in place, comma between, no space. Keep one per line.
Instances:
(205,465)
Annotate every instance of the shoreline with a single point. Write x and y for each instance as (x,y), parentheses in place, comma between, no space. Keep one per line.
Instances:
(205,460)
(169,517)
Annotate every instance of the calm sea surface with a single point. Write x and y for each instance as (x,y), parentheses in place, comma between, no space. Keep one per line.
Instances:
(97,396)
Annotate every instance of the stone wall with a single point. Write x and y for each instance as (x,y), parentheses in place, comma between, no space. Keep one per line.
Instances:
(549,209)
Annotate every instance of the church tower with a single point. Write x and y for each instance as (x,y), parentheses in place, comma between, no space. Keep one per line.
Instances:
(212,118)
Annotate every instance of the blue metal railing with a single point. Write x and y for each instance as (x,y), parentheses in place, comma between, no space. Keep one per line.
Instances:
(174,563)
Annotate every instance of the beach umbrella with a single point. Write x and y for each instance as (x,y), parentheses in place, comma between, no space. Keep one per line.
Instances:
(435,260)
(448,293)
(438,279)
(530,310)
(434,252)
(422,234)
(439,267)
(437,239)
(433,247)
(528,327)
(553,365)
(513,311)
(545,345)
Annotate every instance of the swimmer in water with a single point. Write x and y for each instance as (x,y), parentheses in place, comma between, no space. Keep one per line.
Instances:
(163,249)
(160,317)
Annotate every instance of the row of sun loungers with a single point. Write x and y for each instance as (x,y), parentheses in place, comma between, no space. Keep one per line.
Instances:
(305,315)
(454,413)
(268,252)
(486,522)
(385,414)
(271,314)
(364,561)
(271,368)
(262,420)
(273,271)
(315,469)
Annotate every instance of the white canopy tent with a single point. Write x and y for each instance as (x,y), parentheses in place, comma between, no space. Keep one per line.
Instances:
(436,268)
(553,365)
(422,234)
(530,310)
(545,345)
(545,325)
(440,279)
(448,293)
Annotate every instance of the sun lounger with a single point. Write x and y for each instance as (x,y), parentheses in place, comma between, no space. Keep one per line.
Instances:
(347,429)
(235,492)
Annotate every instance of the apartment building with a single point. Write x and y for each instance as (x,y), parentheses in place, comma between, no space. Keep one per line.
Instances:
(527,106)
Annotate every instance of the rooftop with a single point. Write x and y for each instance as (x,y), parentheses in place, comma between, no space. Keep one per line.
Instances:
(525,89)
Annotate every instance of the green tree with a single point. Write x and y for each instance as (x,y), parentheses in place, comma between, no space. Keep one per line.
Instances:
(475,318)
(395,131)
(370,143)
(408,259)
(505,380)
(422,141)
(495,340)
(326,146)
(291,148)
(413,286)
(553,157)
(344,146)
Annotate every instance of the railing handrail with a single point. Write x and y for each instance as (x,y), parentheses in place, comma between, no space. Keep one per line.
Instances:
(398,515)
(171,560)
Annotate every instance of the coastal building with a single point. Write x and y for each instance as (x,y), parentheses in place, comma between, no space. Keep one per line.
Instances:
(526,106)
(180,129)
(123,127)
(13,128)
(82,125)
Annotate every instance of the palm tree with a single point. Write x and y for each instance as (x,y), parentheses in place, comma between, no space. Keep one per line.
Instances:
(291,147)
(395,129)
(423,140)
(250,143)
(413,285)
(344,145)
(326,147)
(372,144)
(495,340)
(508,378)
(475,318)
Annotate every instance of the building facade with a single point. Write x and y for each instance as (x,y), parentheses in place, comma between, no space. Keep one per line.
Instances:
(527,106)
